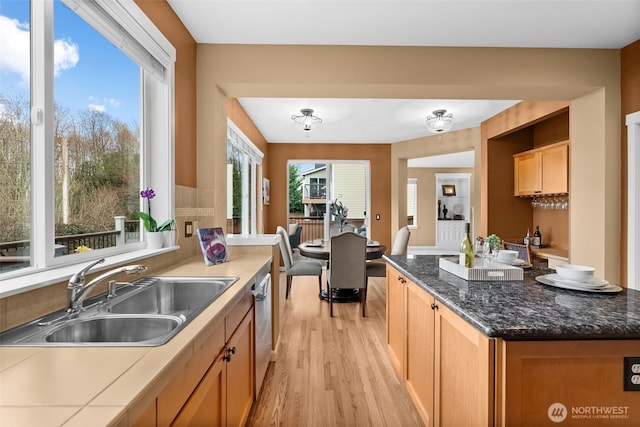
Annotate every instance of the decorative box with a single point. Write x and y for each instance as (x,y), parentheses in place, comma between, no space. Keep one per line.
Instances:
(483,270)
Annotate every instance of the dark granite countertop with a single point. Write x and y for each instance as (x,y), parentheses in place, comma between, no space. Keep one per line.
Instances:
(526,310)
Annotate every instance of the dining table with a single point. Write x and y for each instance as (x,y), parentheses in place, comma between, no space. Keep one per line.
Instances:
(321,249)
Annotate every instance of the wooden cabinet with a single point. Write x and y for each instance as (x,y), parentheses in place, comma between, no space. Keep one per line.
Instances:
(567,383)
(225,394)
(544,170)
(395,318)
(419,375)
(464,372)
(446,364)
(240,372)
(206,406)
(216,385)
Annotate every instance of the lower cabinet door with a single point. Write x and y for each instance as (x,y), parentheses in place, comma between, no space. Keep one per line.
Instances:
(207,404)
(395,319)
(420,346)
(463,372)
(240,379)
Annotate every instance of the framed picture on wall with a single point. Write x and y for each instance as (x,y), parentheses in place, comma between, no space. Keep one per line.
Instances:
(448,190)
(265,191)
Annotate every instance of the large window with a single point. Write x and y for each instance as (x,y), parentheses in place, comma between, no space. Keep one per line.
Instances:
(86,94)
(243,157)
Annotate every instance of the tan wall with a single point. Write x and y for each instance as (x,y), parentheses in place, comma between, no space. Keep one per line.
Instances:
(185,86)
(450,142)
(630,89)
(400,72)
(425,233)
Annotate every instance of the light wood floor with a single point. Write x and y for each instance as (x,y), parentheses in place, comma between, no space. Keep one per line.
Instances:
(332,371)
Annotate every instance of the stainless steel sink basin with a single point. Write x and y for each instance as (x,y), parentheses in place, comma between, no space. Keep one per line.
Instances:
(172,295)
(146,312)
(114,329)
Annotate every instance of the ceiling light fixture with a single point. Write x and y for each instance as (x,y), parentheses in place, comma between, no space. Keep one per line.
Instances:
(306,121)
(439,122)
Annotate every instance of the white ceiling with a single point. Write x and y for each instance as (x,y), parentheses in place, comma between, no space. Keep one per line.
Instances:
(609,24)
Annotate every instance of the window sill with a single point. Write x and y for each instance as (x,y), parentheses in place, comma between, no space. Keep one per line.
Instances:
(40,279)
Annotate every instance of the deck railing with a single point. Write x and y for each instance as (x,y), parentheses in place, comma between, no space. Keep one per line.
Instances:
(18,252)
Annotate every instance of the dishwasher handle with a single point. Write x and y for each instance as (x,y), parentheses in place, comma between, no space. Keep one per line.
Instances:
(262,288)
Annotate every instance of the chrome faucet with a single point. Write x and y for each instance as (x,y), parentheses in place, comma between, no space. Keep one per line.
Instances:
(77,291)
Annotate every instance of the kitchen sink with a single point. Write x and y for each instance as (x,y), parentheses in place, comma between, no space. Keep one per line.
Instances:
(172,295)
(146,312)
(115,329)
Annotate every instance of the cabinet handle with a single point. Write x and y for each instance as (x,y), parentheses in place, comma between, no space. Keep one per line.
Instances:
(227,356)
(434,306)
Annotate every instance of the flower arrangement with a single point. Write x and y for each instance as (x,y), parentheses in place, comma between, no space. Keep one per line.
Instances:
(494,242)
(82,248)
(150,224)
(339,211)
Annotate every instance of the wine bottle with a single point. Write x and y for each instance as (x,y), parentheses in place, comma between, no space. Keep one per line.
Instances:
(527,238)
(466,248)
(537,238)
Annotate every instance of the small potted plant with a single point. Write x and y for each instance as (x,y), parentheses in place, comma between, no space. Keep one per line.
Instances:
(155,233)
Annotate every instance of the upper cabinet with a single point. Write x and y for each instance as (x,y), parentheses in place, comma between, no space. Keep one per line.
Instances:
(543,170)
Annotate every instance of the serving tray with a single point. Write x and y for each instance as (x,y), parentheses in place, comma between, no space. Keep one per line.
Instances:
(483,270)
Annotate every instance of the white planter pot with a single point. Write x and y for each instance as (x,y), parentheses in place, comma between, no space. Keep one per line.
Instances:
(169,238)
(155,240)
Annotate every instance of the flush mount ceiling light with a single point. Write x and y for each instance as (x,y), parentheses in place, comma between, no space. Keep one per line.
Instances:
(439,122)
(306,121)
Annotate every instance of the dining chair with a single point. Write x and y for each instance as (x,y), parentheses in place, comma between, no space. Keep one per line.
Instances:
(524,251)
(297,268)
(347,266)
(400,244)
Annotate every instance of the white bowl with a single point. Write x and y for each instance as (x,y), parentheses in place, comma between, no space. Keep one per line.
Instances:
(507,255)
(578,273)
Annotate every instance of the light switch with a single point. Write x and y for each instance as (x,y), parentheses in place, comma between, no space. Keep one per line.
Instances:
(188,229)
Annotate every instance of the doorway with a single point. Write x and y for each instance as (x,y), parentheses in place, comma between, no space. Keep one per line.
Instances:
(315,184)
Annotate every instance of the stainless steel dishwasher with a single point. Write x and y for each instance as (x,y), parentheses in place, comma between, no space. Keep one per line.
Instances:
(262,295)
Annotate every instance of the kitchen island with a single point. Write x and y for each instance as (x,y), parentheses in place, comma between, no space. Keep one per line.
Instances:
(511,352)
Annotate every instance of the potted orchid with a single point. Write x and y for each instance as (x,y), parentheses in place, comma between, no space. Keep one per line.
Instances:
(155,235)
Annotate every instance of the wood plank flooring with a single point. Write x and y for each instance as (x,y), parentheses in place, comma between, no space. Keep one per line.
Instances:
(332,371)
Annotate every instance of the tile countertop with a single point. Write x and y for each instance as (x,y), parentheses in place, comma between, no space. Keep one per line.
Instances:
(526,310)
(100,386)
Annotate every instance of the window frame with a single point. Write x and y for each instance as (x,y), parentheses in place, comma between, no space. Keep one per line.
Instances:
(412,185)
(138,38)
(252,158)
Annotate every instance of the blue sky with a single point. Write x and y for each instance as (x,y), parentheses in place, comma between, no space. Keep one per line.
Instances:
(90,73)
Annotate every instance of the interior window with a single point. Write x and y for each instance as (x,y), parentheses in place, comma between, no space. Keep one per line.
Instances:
(242,160)
(412,202)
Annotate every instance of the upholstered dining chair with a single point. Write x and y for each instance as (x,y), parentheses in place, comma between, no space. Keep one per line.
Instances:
(297,268)
(347,266)
(400,244)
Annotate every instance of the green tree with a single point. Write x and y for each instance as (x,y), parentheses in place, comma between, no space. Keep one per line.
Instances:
(295,190)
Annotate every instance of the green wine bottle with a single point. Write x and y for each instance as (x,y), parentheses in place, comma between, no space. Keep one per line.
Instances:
(466,248)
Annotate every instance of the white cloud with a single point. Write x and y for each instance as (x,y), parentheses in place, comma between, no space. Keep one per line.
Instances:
(66,55)
(14,57)
(97,107)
